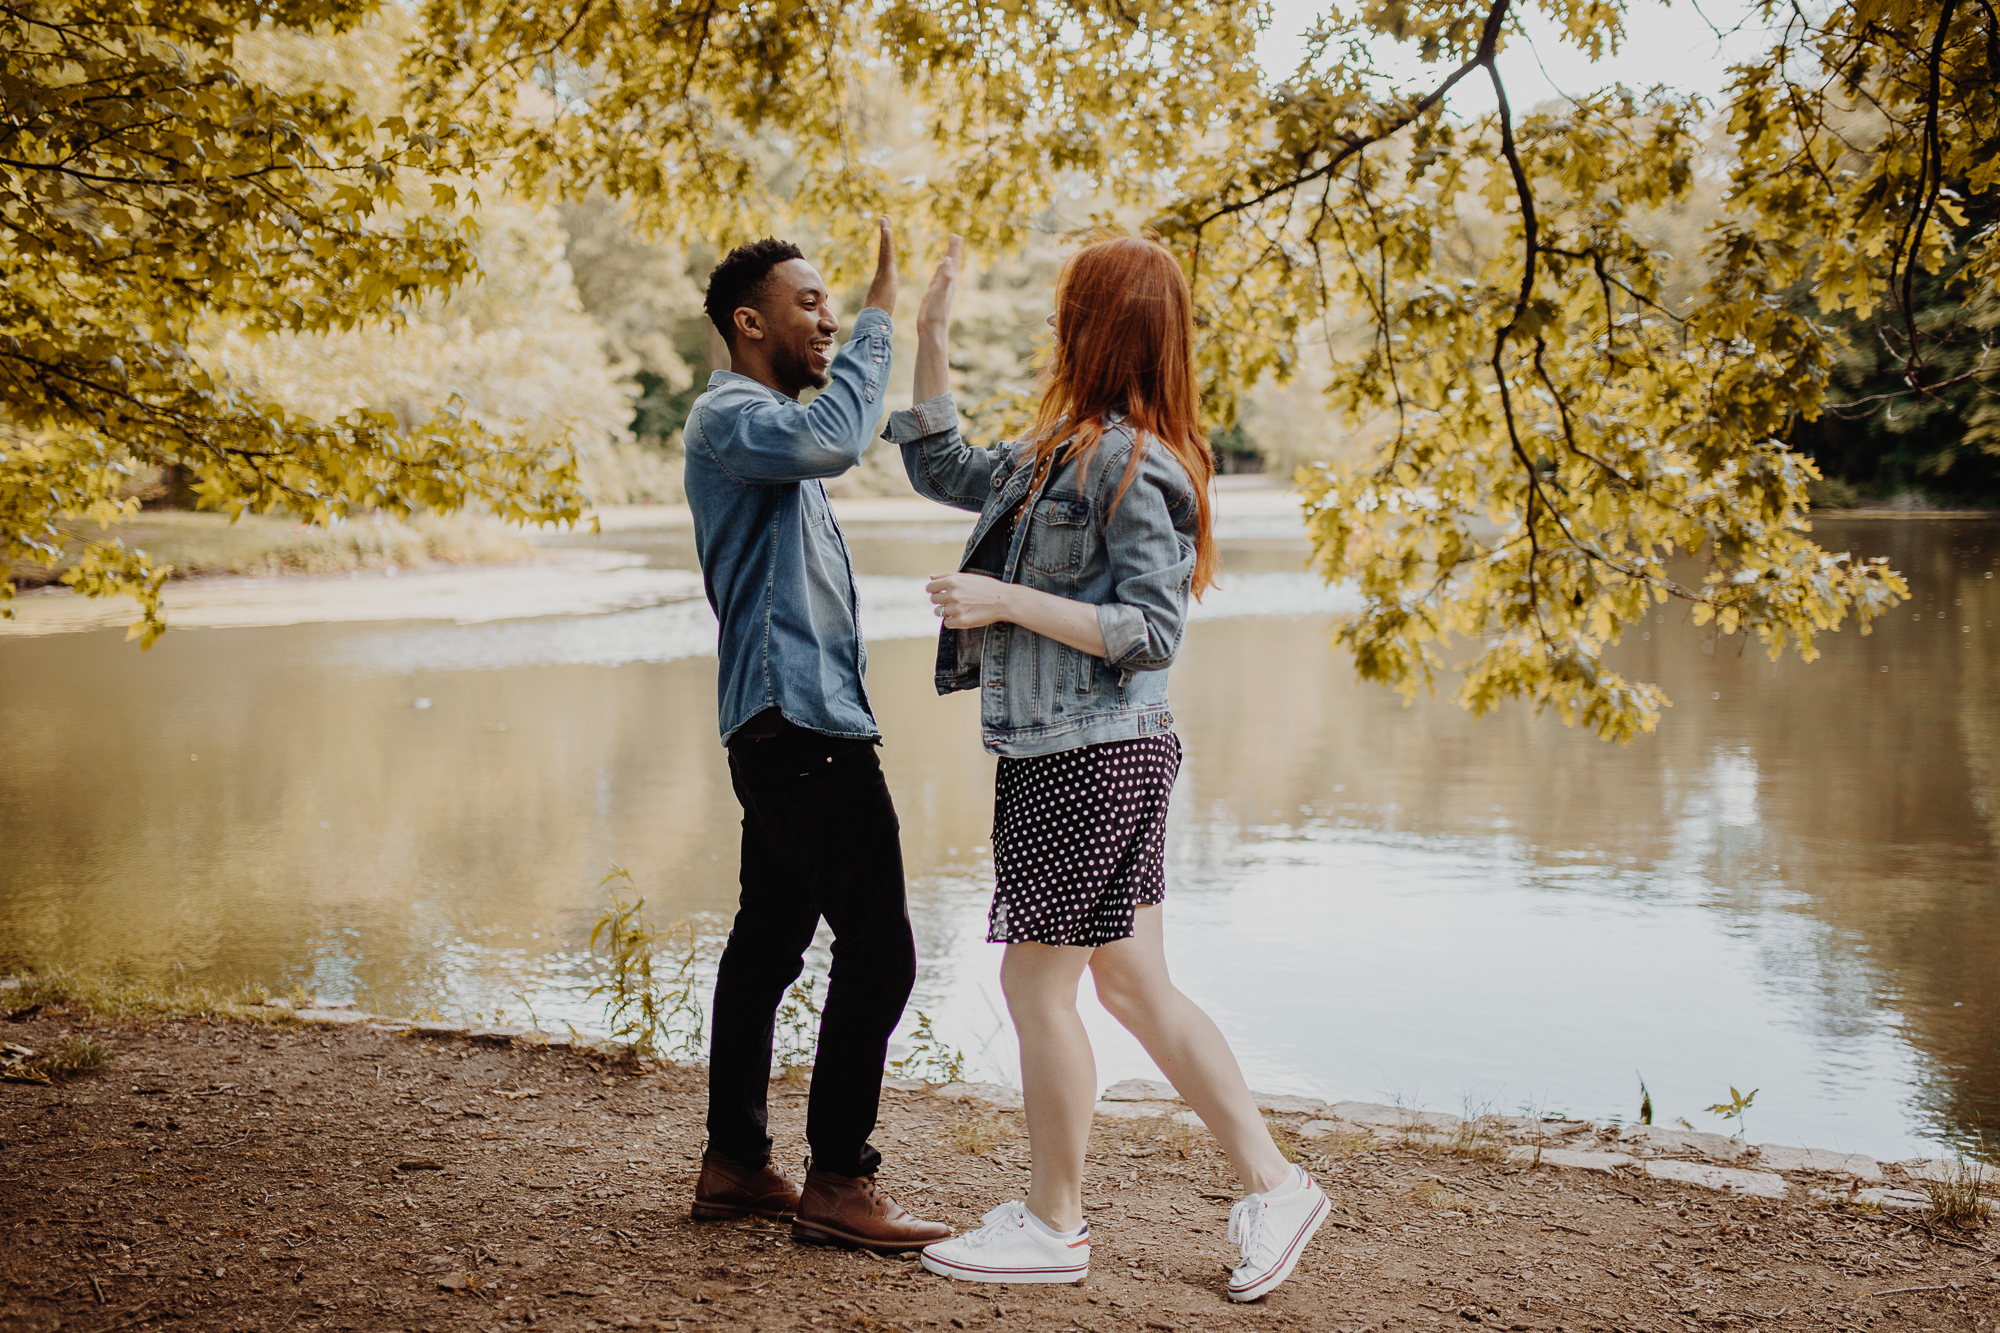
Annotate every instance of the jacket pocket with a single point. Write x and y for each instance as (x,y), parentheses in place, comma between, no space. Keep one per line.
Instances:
(1055,542)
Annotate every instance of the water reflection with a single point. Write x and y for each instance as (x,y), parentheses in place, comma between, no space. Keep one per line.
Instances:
(1791,887)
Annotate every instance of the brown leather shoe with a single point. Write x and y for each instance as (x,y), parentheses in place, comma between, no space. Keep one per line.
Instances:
(853,1210)
(727,1188)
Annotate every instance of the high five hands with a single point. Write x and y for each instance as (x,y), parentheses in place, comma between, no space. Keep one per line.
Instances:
(935,312)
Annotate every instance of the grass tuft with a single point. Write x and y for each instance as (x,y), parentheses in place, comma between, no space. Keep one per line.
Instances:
(1955,1199)
(974,1137)
(1414,1132)
(1177,1137)
(1343,1144)
(1282,1135)
(76,1054)
(1433,1195)
(125,997)
(70,1054)
(1481,1135)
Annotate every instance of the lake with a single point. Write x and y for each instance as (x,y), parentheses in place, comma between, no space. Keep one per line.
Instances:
(1791,887)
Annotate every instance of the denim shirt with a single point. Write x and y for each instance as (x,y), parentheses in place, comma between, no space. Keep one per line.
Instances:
(773,561)
(1131,558)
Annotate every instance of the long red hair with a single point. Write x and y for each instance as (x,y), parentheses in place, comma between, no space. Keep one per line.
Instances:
(1125,343)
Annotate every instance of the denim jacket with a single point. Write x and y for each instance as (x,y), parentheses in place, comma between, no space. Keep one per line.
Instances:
(773,560)
(1134,562)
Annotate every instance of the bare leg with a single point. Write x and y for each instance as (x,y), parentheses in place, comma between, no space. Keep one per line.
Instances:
(1184,1042)
(1058,1074)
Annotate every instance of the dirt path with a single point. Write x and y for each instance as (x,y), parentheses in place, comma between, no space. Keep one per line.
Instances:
(233,1176)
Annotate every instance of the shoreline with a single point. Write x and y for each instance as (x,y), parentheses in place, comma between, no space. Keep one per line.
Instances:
(1680,1154)
(1683,1155)
(347,1174)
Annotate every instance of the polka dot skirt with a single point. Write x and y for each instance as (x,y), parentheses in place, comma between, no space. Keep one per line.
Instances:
(1080,841)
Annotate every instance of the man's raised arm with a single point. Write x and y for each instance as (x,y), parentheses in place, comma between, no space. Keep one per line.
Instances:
(774,440)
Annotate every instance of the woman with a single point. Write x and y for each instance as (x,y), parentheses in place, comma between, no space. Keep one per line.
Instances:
(1093,529)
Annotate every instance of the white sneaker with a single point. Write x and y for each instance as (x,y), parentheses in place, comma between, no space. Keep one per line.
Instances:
(1009,1246)
(1273,1232)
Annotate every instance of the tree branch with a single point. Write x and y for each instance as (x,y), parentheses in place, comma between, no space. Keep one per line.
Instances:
(1931,166)
(1482,58)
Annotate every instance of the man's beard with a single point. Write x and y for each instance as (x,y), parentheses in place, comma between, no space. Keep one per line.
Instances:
(794,370)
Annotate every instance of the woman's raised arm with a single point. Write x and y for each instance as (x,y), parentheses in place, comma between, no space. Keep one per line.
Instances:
(934,325)
(939,462)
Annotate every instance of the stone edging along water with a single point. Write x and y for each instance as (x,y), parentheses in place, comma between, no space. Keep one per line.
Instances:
(1682,1156)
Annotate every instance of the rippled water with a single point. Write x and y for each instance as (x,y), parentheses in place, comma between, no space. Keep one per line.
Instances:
(1791,887)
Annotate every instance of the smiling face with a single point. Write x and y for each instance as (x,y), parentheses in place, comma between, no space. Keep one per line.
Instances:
(795,317)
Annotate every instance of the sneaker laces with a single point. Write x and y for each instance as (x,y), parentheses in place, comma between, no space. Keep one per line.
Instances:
(998,1221)
(1246,1224)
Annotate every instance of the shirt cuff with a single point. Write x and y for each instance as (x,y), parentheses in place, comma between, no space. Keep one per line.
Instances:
(1124,631)
(868,320)
(933,416)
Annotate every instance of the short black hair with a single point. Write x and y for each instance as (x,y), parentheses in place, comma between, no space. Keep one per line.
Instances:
(736,280)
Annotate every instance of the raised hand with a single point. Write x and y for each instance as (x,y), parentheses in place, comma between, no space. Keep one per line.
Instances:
(934,324)
(935,312)
(882,291)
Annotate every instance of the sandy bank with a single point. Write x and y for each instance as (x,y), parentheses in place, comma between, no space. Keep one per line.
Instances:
(563,582)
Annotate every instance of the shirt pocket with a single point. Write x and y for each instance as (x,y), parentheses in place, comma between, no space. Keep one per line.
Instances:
(1055,540)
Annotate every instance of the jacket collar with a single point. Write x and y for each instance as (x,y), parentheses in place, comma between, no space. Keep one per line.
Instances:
(723,379)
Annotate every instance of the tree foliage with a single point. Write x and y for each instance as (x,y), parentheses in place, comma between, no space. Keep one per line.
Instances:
(1570,450)
(148,185)
(1578,427)
(513,354)
(720,121)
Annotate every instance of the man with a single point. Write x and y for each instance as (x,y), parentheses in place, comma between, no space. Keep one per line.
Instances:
(820,836)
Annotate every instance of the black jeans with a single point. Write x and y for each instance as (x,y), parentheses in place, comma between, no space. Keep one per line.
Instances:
(820,838)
